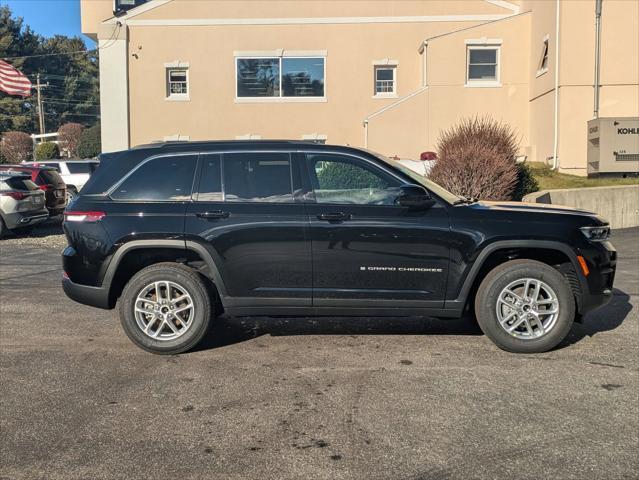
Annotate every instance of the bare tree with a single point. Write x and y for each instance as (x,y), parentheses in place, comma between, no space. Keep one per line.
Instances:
(476,158)
(69,136)
(16,147)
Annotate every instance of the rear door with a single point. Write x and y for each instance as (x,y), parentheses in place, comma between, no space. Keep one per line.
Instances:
(248,216)
(368,251)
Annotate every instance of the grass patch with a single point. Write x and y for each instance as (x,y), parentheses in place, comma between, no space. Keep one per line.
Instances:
(550,180)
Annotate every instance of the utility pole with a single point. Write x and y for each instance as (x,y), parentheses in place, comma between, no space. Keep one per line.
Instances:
(38,87)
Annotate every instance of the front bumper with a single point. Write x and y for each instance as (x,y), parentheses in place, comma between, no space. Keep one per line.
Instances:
(93,296)
(601,259)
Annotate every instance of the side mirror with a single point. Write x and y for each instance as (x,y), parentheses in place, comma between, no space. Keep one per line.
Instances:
(415,197)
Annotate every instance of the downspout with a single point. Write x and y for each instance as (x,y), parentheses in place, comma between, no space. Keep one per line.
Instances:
(555,160)
(595,114)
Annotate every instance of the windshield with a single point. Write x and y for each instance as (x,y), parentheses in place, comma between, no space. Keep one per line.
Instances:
(421,180)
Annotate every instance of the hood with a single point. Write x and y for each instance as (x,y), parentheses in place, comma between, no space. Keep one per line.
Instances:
(532,208)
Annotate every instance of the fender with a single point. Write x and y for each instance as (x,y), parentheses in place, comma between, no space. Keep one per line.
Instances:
(460,301)
(172,244)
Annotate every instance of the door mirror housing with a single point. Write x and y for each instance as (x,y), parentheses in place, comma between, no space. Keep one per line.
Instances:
(415,197)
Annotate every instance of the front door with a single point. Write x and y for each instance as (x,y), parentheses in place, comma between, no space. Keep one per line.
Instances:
(368,251)
(246,214)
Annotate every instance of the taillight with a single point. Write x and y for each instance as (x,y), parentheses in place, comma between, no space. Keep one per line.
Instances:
(46,188)
(86,217)
(15,195)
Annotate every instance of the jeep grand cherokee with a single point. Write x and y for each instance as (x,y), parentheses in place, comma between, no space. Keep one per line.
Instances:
(177,233)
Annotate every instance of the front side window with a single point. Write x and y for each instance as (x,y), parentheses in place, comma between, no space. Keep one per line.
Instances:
(258,177)
(159,179)
(483,65)
(343,180)
(80,167)
(385,81)
(177,82)
(281,77)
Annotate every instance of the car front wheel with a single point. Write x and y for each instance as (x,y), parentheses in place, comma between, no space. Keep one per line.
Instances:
(525,306)
(166,308)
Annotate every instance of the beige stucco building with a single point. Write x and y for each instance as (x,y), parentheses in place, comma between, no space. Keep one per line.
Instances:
(389,75)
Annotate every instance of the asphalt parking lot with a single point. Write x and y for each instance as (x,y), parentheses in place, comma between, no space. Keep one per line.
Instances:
(332,398)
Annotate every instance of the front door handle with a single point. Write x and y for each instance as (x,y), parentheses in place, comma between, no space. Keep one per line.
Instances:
(334,216)
(213,214)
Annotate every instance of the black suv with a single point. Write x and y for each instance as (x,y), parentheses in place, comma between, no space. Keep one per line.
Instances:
(181,232)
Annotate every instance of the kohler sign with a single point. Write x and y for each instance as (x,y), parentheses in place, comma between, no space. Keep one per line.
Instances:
(613,146)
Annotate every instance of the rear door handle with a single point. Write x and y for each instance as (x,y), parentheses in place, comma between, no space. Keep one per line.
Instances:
(213,214)
(334,216)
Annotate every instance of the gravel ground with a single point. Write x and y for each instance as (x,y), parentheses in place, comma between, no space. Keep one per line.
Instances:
(48,234)
(310,398)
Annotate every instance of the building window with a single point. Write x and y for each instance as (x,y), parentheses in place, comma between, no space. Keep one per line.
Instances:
(281,78)
(385,81)
(482,65)
(177,81)
(543,59)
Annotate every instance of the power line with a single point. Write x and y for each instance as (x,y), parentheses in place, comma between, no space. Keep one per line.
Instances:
(51,54)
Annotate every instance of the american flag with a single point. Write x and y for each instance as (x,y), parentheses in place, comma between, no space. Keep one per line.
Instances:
(12,81)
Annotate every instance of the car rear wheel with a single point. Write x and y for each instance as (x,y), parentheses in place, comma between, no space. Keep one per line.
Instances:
(3,228)
(525,306)
(166,308)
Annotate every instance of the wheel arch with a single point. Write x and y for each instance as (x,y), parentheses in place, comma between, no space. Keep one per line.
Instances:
(135,255)
(555,254)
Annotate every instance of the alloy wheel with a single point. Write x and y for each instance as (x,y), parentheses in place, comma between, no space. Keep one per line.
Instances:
(527,308)
(164,310)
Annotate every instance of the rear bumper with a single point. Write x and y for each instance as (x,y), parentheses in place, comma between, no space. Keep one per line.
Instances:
(24,219)
(93,296)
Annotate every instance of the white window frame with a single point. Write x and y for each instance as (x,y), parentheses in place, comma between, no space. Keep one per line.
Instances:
(545,53)
(385,64)
(484,44)
(177,97)
(280,54)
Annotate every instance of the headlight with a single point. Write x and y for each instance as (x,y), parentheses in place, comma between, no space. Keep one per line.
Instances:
(596,234)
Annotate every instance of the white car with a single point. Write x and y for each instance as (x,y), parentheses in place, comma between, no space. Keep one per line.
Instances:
(75,173)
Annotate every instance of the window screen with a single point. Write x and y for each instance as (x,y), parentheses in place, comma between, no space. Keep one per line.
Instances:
(257,177)
(210,188)
(160,179)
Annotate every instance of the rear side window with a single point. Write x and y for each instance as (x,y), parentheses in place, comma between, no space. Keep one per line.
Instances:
(80,167)
(258,177)
(160,179)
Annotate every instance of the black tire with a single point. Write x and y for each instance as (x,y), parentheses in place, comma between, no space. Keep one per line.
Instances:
(507,273)
(196,287)
(71,194)
(3,228)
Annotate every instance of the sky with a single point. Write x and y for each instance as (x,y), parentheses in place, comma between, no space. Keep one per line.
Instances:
(49,17)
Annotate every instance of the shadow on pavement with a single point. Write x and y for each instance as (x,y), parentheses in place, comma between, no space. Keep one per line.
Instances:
(230,330)
(603,319)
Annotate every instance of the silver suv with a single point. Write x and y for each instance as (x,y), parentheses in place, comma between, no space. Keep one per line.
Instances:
(22,203)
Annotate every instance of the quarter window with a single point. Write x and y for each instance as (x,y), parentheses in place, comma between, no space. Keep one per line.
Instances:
(385,81)
(177,82)
(258,177)
(281,77)
(483,65)
(160,179)
(343,180)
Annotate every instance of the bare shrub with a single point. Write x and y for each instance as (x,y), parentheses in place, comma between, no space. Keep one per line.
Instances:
(16,147)
(69,136)
(476,159)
